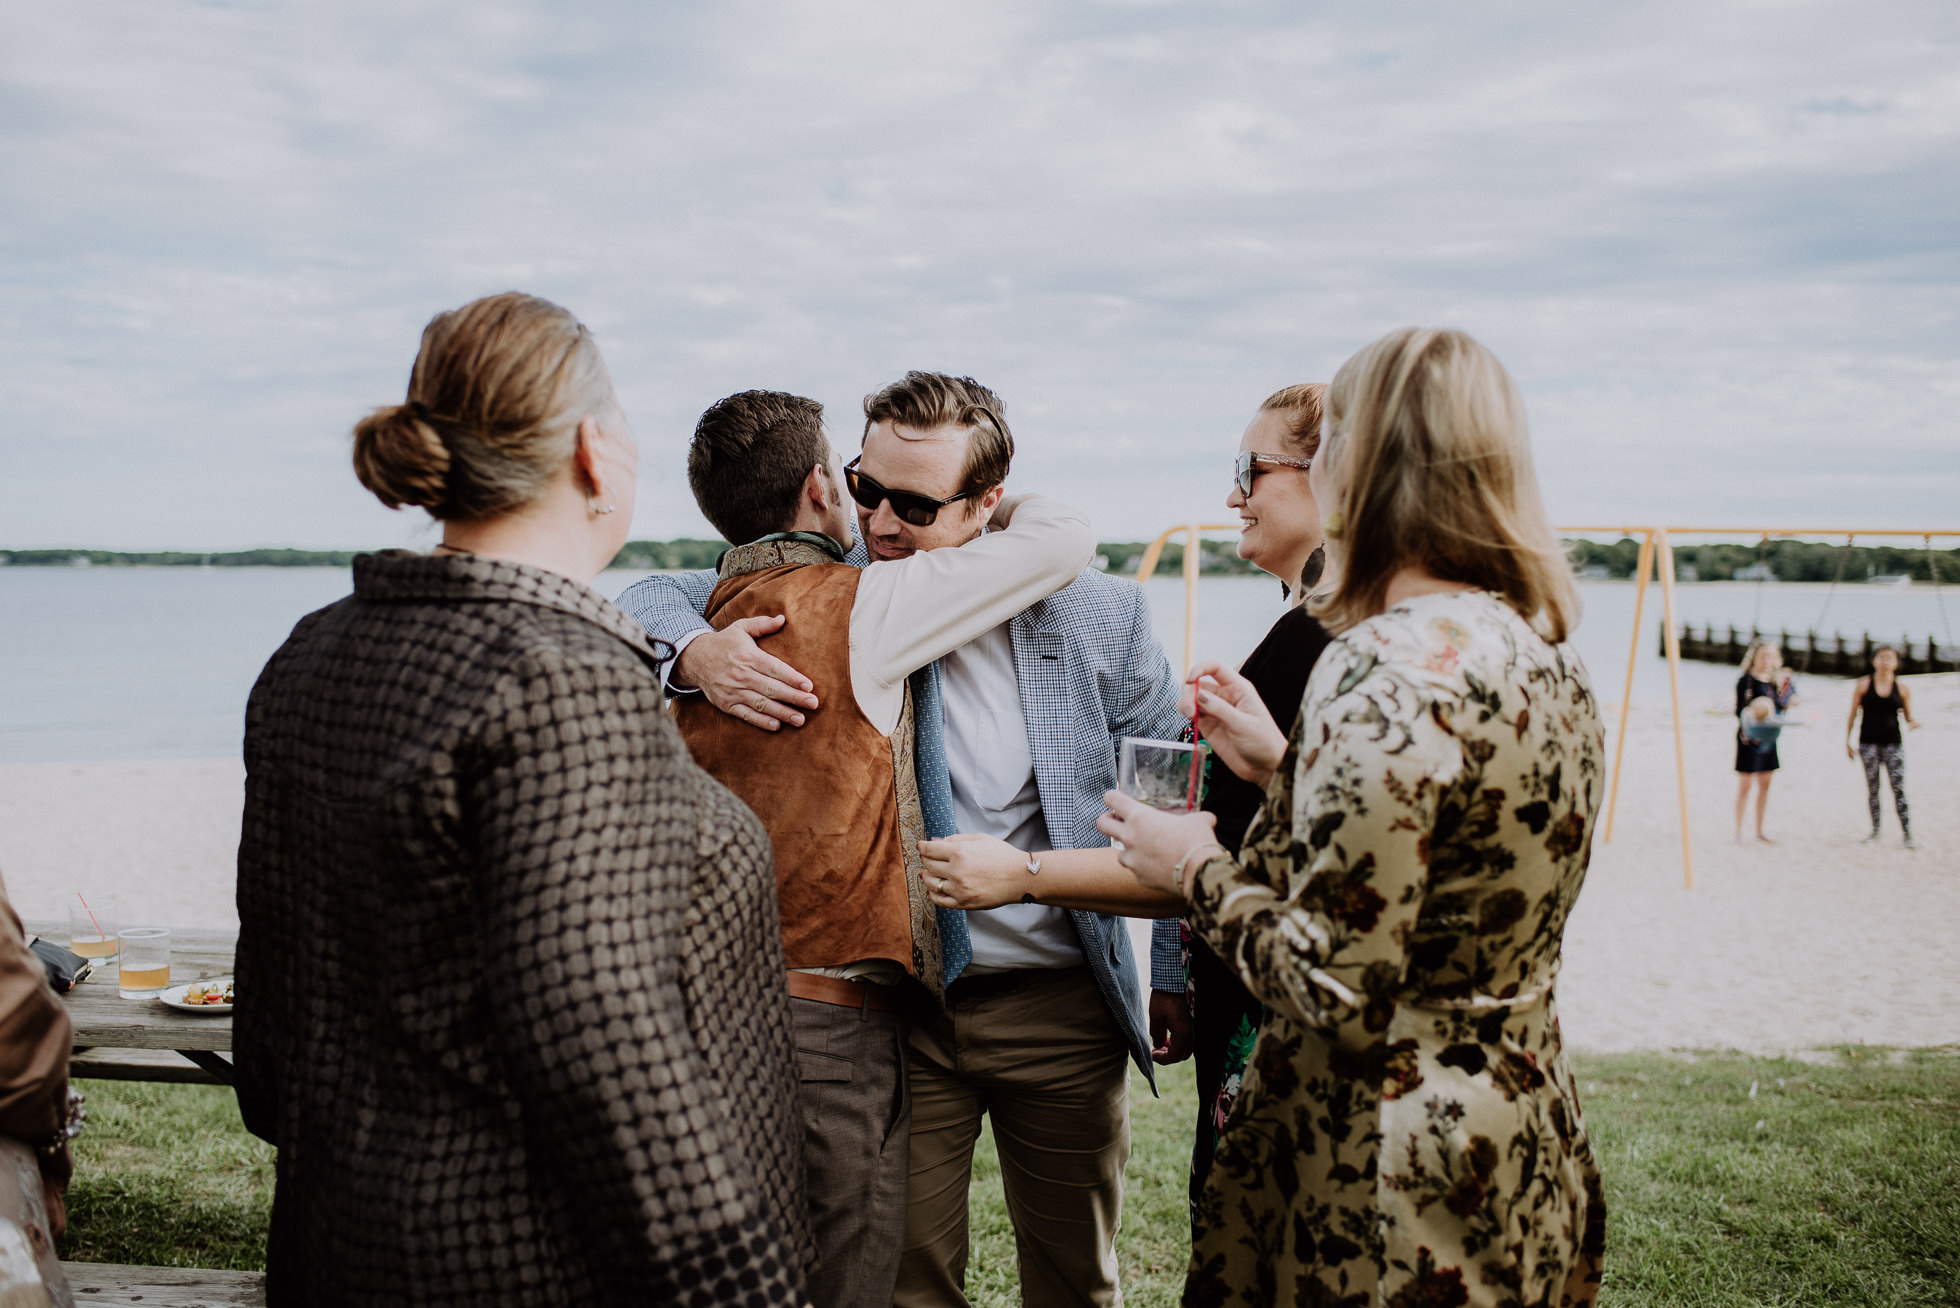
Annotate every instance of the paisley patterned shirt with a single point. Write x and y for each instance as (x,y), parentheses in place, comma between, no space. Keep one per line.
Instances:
(1408,1131)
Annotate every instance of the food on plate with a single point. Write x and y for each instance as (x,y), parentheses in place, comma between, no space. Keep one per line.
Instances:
(209,993)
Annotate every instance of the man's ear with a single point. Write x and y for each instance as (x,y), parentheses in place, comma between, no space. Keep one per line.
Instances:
(817,489)
(991,501)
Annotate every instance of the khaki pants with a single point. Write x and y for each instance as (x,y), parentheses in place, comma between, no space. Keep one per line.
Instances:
(1039,1053)
(851,1072)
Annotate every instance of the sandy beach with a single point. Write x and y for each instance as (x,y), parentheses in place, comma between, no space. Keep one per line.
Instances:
(1814,941)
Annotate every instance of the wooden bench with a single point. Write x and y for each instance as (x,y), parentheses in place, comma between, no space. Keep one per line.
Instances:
(106,1284)
(146,1065)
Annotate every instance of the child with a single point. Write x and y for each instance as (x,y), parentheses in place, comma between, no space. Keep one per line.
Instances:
(1760,721)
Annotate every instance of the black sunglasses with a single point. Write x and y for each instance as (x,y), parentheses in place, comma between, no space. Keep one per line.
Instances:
(919,510)
(1243,470)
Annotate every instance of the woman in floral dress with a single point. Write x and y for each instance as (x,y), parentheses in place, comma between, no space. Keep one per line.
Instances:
(1408,1132)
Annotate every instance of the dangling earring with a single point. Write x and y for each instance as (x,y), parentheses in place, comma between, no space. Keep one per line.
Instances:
(597,509)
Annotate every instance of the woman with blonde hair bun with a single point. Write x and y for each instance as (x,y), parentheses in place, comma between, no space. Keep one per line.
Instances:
(509,972)
(1408,1130)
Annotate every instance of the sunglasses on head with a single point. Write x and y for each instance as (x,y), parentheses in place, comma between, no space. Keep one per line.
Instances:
(1244,470)
(918,510)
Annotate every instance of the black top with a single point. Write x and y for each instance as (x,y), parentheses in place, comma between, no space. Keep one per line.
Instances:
(1878,720)
(1278,670)
(1750,688)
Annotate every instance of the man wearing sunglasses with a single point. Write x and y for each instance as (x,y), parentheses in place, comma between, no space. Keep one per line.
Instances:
(860,936)
(1043,1008)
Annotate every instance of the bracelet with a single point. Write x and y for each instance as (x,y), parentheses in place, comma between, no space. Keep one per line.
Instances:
(73,1116)
(1177,873)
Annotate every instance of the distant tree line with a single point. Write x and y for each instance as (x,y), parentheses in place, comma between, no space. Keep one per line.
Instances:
(1787,560)
(685,555)
(178,559)
(681,555)
(1214,556)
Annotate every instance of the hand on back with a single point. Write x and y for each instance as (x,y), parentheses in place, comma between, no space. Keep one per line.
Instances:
(743,680)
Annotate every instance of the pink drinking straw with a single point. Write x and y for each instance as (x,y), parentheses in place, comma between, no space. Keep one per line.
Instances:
(99,933)
(1197,754)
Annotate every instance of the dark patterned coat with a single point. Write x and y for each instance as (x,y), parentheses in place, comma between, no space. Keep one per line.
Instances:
(510,995)
(1408,1134)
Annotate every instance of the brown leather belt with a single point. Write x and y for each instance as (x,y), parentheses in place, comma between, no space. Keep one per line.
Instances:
(845,994)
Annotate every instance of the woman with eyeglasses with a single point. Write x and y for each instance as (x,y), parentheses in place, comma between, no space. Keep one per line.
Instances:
(1198,1007)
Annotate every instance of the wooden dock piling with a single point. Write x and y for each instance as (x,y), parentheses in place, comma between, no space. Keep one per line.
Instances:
(1831,657)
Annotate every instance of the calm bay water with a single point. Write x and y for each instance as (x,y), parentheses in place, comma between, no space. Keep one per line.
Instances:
(144,663)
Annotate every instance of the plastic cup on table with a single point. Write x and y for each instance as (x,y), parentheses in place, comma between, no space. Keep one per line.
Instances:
(92,929)
(143,969)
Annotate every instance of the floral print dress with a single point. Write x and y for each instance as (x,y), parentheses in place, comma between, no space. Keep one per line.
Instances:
(1408,1133)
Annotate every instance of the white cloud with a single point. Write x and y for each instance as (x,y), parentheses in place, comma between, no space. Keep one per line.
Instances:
(1714,242)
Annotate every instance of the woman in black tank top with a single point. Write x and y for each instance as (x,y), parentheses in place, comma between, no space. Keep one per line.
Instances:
(1877,703)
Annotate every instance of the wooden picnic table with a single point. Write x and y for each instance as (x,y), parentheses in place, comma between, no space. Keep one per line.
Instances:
(143,1039)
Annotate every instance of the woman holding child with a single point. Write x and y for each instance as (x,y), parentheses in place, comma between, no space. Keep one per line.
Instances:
(1762,692)
(1408,1130)
(509,965)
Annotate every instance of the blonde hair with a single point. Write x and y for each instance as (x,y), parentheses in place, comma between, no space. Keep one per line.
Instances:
(494,403)
(1758,646)
(1301,406)
(1429,463)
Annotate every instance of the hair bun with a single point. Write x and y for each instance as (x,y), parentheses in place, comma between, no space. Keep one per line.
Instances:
(401,457)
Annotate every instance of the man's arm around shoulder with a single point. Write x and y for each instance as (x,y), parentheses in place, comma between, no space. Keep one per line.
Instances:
(911,611)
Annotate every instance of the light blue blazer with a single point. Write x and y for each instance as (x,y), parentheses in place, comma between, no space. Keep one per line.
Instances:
(1090,671)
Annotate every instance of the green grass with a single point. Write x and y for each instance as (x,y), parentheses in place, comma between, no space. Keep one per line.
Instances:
(166,1175)
(1837,1183)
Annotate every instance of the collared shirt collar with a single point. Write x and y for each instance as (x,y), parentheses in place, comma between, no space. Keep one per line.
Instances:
(780,549)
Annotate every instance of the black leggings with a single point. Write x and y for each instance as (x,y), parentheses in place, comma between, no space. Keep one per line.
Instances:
(1894,759)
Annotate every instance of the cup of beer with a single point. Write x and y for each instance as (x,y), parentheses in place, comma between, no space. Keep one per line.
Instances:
(143,969)
(92,929)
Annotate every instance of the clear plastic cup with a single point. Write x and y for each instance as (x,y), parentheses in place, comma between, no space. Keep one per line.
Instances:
(92,929)
(1158,773)
(143,968)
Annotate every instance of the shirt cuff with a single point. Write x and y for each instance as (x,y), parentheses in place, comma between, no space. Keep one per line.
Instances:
(673,664)
(1167,956)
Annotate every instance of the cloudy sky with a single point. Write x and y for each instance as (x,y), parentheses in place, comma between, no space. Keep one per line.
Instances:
(1718,243)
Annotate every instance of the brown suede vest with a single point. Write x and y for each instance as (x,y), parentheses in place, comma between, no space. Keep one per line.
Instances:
(840,798)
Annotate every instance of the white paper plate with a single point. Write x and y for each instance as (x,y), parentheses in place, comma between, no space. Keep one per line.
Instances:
(174,997)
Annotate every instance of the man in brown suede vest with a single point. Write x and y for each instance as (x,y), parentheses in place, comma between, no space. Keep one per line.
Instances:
(839,795)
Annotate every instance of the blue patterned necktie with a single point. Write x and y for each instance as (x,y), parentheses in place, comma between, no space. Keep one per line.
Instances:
(936,804)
